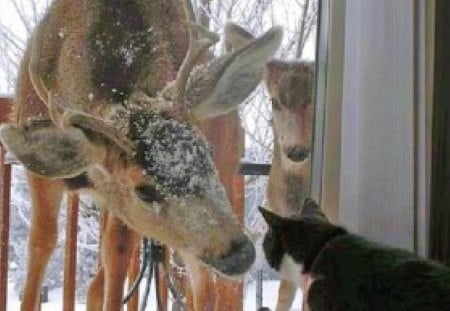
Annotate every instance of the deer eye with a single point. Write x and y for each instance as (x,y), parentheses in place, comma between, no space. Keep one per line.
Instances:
(148,193)
(275,104)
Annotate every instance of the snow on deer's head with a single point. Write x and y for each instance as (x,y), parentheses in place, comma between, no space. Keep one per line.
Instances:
(159,176)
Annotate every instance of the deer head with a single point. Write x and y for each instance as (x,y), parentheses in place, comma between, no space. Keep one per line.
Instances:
(148,163)
(290,86)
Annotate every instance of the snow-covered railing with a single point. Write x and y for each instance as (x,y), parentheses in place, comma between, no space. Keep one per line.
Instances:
(5,193)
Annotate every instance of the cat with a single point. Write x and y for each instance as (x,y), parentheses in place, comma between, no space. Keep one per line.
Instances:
(341,271)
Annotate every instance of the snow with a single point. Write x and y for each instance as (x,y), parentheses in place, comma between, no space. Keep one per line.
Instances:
(54,304)
(173,154)
(270,294)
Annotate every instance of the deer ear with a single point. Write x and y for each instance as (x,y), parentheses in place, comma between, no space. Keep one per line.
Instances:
(312,210)
(232,77)
(51,152)
(271,218)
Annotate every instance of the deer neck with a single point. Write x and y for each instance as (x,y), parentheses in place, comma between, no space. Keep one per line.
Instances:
(288,185)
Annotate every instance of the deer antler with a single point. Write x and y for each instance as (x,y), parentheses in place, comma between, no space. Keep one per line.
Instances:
(115,126)
(200,40)
(70,117)
(196,48)
(33,69)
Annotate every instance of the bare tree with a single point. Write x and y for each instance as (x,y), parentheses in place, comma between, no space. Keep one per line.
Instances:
(307,23)
(17,21)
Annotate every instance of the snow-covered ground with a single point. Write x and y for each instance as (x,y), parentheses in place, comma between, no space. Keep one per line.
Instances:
(270,294)
(270,290)
(54,304)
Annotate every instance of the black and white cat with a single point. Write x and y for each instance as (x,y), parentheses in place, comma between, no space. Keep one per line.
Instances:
(341,271)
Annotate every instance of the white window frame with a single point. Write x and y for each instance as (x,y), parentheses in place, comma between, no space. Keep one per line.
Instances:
(327,157)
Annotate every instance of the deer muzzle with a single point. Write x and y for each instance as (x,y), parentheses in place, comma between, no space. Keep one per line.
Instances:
(236,261)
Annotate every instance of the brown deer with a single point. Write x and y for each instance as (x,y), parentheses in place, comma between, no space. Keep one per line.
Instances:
(93,113)
(290,85)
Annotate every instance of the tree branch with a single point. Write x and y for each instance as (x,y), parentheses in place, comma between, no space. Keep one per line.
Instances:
(23,18)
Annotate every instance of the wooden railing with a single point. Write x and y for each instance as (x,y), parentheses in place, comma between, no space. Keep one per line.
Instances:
(5,193)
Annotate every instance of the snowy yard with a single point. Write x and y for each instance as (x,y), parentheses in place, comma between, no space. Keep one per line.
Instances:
(269,299)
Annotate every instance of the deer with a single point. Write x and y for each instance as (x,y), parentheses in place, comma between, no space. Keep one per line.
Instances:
(109,100)
(290,87)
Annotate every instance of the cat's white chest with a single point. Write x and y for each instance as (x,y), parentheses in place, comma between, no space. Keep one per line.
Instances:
(291,271)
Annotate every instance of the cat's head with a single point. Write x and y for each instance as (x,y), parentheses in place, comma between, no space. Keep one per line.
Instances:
(291,244)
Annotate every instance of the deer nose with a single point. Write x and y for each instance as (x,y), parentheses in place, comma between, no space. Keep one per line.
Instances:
(237,260)
(297,154)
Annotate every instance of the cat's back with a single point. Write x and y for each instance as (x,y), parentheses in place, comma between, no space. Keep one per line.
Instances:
(417,285)
(364,275)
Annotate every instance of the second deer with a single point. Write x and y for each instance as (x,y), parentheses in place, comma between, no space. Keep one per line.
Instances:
(290,86)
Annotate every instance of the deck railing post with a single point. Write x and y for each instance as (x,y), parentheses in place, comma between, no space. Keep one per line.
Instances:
(70,262)
(5,196)
(133,271)
(5,189)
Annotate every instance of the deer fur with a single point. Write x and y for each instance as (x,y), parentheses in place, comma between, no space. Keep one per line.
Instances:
(290,86)
(93,113)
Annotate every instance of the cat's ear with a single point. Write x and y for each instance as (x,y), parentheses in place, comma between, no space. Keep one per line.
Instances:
(272,219)
(312,210)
